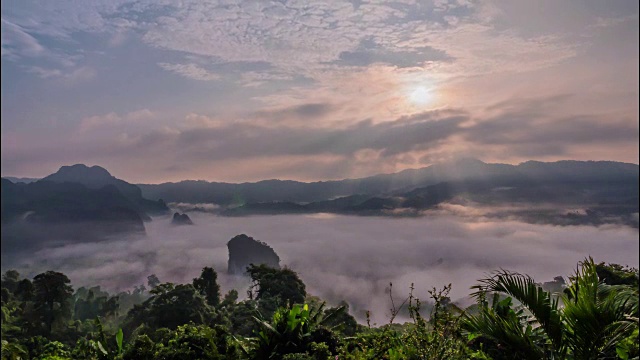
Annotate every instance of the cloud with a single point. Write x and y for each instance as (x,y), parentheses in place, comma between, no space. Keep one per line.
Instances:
(339,257)
(247,140)
(45,73)
(16,42)
(67,77)
(112,119)
(300,143)
(528,128)
(299,39)
(368,53)
(191,71)
(302,112)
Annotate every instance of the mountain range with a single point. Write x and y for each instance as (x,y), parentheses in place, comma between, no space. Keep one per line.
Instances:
(76,203)
(563,192)
(463,170)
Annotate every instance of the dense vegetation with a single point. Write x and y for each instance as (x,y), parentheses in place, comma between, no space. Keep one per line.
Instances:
(594,315)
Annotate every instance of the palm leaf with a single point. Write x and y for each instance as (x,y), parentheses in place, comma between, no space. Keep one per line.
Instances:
(542,306)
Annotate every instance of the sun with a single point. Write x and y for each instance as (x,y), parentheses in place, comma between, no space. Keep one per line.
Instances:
(421,96)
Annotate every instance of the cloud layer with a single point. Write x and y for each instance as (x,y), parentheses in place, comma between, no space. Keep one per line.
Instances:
(338,257)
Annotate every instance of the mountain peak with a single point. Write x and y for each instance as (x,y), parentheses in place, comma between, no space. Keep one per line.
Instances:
(90,176)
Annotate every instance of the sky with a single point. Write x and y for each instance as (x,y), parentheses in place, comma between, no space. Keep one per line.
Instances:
(159,91)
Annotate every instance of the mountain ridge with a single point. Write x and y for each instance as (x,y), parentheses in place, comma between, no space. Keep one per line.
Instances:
(199,191)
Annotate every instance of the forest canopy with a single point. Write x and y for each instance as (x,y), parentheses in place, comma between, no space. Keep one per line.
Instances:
(592,314)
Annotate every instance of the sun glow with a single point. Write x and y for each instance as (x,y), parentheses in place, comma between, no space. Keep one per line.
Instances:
(421,96)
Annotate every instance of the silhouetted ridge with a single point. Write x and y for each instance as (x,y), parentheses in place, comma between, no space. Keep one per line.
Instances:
(96,177)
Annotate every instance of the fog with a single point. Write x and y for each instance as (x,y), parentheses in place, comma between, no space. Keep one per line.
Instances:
(341,257)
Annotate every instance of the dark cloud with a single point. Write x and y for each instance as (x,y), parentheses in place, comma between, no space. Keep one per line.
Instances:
(299,112)
(368,52)
(527,128)
(244,140)
(396,58)
(339,257)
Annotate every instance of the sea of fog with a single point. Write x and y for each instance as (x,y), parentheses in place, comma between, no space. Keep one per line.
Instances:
(342,257)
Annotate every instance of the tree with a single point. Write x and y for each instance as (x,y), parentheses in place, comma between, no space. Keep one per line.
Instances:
(170,306)
(24,290)
(283,286)
(52,294)
(207,286)
(595,317)
(230,298)
(614,274)
(153,281)
(10,280)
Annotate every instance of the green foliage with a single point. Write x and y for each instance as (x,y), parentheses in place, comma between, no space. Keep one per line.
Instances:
(291,331)
(614,274)
(119,338)
(628,348)
(241,318)
(282,286)
(207,286)
(141,348)
(52,295)
(440,337)
(170,306)
(230,298)
(51,350)
(594,319)
(10,280)
(190,342)
(92,303)
(342,321)
(13,351)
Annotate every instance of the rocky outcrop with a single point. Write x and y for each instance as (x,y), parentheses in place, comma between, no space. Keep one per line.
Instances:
(245,250)
(181,219)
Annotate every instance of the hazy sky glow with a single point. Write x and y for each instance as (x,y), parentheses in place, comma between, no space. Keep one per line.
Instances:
(237,90)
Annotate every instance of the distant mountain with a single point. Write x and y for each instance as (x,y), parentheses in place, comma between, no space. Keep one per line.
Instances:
(564,192)
(46,211)
(464,170)
(16,180)
(96,177)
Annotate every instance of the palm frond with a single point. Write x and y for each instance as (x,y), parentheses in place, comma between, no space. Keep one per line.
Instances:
(540,303)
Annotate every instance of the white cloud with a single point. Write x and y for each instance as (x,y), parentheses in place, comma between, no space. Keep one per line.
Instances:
(112,118)
(16,42)
(191,71)
(302,38)
(68,77)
